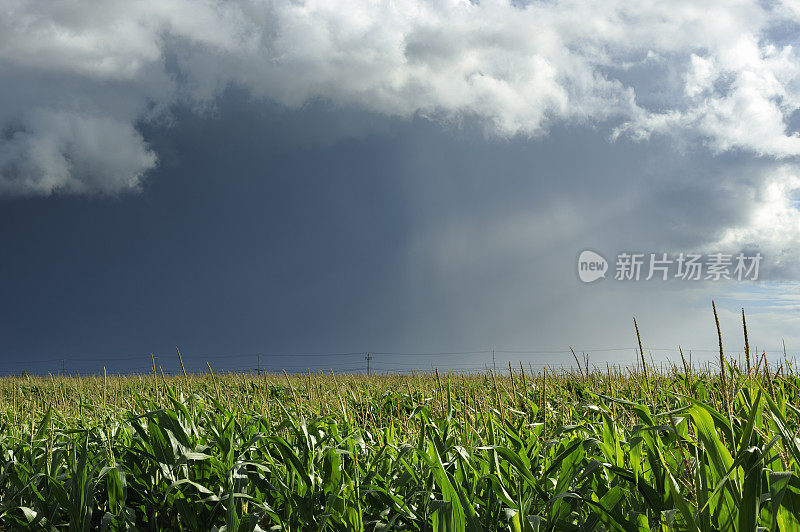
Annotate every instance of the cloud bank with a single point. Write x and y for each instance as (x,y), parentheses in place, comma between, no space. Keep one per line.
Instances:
(80,79)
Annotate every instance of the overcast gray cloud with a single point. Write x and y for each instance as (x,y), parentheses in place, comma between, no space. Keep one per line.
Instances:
(79,79)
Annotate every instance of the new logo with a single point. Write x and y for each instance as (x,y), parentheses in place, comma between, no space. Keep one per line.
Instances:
(591,266)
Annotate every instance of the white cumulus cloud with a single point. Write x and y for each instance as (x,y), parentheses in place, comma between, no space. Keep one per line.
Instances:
(79,78)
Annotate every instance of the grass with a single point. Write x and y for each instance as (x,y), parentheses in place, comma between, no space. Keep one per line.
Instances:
(573,450)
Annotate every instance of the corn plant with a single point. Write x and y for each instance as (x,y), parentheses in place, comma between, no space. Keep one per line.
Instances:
(671,449)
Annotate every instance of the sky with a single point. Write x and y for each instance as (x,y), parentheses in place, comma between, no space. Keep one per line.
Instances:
(311,181)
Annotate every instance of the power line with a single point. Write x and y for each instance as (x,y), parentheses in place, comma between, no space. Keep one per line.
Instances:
(434,353)
(334,360)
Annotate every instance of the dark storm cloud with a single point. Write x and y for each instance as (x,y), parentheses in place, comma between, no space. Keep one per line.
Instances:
(239,177)
(387,235)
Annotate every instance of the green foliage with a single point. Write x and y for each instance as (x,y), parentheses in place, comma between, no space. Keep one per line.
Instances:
(524,453)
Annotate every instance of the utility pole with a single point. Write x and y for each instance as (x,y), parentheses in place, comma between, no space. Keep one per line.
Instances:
(63,372)
(259,364)
(494,364)
(368,358)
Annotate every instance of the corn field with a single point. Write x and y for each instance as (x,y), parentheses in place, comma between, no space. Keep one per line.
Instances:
(695,449)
